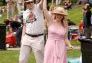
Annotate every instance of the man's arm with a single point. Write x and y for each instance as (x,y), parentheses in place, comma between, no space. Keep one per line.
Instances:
(41,4)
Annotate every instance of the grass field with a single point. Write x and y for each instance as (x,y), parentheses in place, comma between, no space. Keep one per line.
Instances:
(12,56)
(75,14)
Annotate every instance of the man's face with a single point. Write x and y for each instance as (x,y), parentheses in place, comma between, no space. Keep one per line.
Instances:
(30,4)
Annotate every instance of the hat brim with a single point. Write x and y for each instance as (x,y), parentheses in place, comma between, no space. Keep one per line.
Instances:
(64,14)
(26,2)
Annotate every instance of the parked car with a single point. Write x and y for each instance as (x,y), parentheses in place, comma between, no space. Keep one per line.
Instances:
(73,32)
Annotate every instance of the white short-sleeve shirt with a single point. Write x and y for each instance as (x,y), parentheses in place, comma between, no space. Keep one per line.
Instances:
(34,25)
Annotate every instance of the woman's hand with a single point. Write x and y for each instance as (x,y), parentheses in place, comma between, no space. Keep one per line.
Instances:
(70,47)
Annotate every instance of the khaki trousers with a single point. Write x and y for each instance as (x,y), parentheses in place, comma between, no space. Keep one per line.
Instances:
(29,44)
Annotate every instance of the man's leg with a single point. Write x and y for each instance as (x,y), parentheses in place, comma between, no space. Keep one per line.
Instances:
(24,54)
(39,56)
(38,49)
(8,12)
(87,32)
(91,31)
(12,11)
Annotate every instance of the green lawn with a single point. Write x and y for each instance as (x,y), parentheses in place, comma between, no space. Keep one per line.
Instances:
(12,56)
(73,53)
(75,14)
(75,42)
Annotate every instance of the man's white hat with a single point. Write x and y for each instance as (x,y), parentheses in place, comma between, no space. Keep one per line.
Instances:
(29,1)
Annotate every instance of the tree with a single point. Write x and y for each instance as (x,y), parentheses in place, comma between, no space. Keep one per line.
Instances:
(3,2)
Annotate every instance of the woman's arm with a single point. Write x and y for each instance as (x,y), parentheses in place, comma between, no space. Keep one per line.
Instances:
(41,4)
(47,15)
(67,42)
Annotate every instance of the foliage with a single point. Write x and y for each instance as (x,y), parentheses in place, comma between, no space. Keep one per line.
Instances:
(74,1)
(2,2)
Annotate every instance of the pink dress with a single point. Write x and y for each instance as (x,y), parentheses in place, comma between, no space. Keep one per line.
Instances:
(55,48)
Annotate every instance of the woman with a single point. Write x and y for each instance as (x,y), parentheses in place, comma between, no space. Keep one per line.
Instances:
(55,48)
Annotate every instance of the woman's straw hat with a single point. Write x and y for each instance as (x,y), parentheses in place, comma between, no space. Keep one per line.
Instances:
(60,10)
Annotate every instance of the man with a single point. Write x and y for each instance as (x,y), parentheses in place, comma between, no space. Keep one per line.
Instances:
(33,30)
(10,8)
(20,5)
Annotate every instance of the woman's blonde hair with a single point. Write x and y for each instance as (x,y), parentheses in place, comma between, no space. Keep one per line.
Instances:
(64,21)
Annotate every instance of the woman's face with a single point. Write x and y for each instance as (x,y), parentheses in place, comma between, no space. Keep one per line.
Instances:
(58,17)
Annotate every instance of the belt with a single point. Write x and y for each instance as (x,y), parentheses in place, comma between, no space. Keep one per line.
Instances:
(34,35)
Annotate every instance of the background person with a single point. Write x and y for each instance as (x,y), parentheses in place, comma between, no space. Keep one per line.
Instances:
(87,20)
(10,8)
(20,5)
